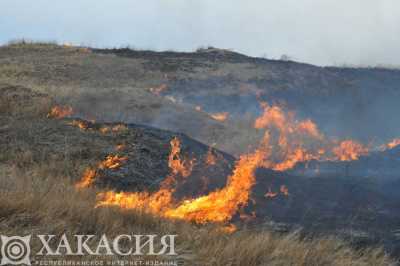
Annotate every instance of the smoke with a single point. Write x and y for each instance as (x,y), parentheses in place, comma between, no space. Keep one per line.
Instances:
(326,32)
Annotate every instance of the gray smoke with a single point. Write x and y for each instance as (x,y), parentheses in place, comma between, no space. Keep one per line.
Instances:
(328,32)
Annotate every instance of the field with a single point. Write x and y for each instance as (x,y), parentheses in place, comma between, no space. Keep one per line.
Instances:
(43,158)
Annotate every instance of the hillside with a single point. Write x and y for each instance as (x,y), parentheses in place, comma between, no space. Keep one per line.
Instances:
(180,91)
(211,141)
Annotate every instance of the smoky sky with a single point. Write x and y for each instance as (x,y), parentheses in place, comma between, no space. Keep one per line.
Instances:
(323,32)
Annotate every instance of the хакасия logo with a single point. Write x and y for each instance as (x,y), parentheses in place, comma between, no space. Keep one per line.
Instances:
(15,250)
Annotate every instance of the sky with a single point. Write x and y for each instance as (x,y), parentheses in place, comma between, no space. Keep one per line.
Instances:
(321,32)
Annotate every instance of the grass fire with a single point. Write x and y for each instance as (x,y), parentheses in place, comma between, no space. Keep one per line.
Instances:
(225,151)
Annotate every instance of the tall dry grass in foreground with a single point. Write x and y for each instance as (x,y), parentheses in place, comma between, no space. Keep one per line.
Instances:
(33,200)
(37,195)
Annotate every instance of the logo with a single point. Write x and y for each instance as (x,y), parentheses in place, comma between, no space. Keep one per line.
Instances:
(15,250)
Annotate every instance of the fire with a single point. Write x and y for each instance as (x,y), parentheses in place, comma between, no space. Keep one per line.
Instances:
(158,90)
(221,117)
(394,143)
(293,136)
(298,155)
(301,141)
(218,206)
(229,229)
(112,162)
(221,205)
(115,129)
(160,200)
(270,194)
(89,175)
(248,217)
(349,150)
(308,127)
(198,108)
(284,190)
(87,179)
(118,128)
(211,159)
(60,112)
(177,164)
(120,147)
(289,141)
(80,124)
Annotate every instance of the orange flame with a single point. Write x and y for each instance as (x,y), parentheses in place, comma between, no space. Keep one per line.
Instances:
(394,143)
(293,136)
(270,194)
(81,124)
(284,190)
(229,229)
(112,162)
(218,206)
(89,176)
(87,179)
(120,147)
(221,117)
(176,163)
(158,90)
(349,150)
(60,112)
(211,159)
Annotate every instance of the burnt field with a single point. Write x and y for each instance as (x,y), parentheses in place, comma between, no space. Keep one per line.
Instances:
(214,141)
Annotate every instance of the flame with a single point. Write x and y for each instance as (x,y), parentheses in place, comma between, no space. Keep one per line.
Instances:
(177,164)
(301,141)
(229,229)
(112,162)
(221,117)
(160,200)
(89,175)
(270,194)
(293,136)
(308,127)
(115,129)
(158,90)
(60,112)
(198,108)
(284,190)
(80,124)
(295,141)
(218,206)
(87,179)
(349,150)
(211,159)
(248,218)
(394,143)
(298,155)
(118,128)
(104,129)
(120,147)
(221,205)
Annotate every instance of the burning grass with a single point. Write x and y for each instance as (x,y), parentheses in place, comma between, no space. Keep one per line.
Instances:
(38,195)
(35,198)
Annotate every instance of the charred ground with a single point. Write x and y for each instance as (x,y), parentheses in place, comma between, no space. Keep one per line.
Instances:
(144,90)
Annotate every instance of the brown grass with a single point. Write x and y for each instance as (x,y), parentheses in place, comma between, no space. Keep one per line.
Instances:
(37,195)
(34,200)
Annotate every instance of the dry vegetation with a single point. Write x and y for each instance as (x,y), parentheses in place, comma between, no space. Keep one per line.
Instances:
(37,195)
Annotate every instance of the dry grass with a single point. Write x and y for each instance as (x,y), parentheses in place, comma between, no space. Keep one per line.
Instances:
(35,200)
(37,195)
